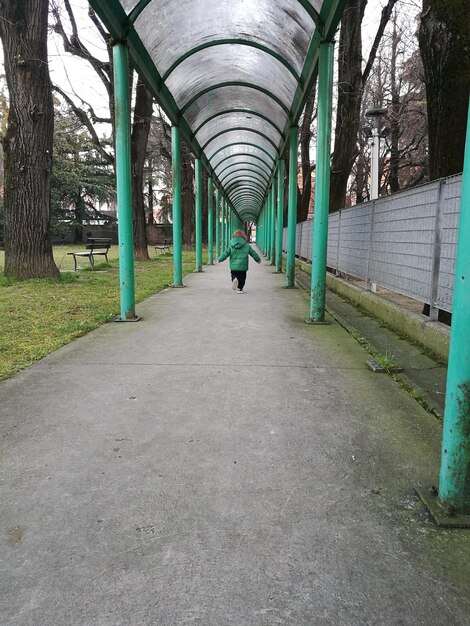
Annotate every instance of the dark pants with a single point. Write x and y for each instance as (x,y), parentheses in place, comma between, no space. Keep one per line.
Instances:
(241,278)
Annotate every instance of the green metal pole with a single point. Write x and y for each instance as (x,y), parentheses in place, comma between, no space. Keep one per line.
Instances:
(454,479)
(268,223)
(280,211)
(273,223)
(210,221)
(263,245)
(322,183)
(222,225)
(292,207)
(270,226)
(217,222)
(123,181)
(198,184)
(261,241)
(176,184)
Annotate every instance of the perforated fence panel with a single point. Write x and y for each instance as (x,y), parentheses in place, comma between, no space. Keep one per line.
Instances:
(406,242)
(354,230)
(401,251)
(451,191)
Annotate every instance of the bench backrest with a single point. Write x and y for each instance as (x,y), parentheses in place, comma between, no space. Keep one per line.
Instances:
(98,243)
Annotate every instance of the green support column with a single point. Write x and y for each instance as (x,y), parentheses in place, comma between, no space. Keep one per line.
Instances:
(273,223)
(280,211)
(267,227)
(267,222)
(261,234)
(210,221)
(198,185)
(292,207)
(123,181)
(322,183)
(176,185)
(222,225)
(217,222)
(270,226)
(454,479)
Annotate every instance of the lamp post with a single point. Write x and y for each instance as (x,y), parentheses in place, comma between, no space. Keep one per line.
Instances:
(373,132)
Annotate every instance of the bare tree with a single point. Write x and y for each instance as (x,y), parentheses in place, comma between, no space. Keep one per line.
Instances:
(187,178)
(28,140)
(351,82)
(75,45)
(396,84)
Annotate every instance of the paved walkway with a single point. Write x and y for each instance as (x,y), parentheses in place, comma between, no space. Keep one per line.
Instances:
(220,463)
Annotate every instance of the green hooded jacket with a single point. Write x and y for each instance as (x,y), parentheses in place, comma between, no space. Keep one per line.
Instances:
(238,251)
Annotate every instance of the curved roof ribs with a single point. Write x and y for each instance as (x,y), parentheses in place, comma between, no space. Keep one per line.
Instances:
(271,93)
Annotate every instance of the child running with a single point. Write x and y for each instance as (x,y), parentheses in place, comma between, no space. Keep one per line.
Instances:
(238,251)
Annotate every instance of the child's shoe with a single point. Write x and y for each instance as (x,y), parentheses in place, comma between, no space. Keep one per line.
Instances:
(235,284)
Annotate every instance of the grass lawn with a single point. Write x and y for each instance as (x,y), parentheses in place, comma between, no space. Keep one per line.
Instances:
(39,316)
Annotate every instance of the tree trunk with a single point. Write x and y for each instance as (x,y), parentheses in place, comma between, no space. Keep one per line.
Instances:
(80,214)
(361,177)
(444,41)
(304,196)
(28,140)
(349,101)
(187,195)
(150,196)
(394,114)
(139,139)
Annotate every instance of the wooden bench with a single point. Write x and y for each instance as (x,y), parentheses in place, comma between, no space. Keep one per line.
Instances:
(95,246)
(160,248)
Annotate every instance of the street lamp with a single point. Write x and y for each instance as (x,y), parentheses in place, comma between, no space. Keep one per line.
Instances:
(372,132)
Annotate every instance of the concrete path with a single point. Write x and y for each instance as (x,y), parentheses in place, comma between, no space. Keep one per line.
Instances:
(422,373)
(221,463)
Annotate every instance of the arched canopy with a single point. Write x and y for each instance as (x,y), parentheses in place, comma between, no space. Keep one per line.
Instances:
(234,76)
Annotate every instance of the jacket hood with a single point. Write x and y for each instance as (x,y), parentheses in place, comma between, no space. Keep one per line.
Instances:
(238,242)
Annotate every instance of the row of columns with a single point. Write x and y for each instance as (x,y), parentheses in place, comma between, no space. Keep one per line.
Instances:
(225,218)
(223,224)
(271,219)
(454,480)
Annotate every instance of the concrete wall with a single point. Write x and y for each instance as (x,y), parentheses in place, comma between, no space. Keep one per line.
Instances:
(432,335)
